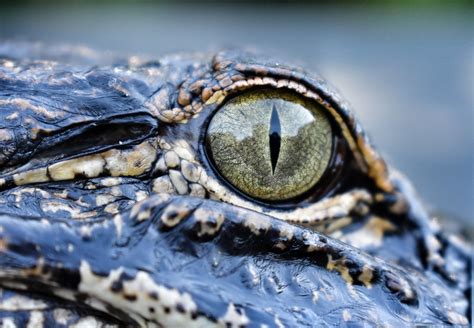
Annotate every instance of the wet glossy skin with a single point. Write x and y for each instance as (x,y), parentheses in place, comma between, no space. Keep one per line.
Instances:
(111,210)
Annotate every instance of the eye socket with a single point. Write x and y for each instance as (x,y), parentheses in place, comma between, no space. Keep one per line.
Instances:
(272,145)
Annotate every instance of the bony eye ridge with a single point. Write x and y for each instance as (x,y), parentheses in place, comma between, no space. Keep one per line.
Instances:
(272,145)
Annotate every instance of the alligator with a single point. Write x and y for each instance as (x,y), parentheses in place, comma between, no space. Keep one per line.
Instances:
(224,189)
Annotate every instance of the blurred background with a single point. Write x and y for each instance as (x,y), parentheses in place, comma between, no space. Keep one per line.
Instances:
(407,67)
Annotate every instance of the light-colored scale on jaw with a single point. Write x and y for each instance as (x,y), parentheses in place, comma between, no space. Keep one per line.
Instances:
(133,161)
(19,302)
(142,298)
(37,309)
(90,322)
(8,322)
(340,266)
(210,222)
(108,198)
(51,206)
(8,281)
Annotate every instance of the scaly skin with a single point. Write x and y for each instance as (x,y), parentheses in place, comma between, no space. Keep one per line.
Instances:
(136,228)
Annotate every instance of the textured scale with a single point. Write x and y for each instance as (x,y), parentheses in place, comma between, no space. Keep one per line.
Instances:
(134,227)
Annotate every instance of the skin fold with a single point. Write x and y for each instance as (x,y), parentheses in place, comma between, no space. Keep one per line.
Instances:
(113,212)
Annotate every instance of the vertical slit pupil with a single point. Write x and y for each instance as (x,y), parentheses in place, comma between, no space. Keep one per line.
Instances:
(275,138)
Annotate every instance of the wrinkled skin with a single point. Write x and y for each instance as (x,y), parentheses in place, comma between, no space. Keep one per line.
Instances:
(111,212)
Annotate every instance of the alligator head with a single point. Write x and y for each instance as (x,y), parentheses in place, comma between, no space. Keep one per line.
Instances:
(207,190)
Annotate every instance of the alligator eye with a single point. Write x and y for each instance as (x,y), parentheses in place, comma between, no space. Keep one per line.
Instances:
(272,145)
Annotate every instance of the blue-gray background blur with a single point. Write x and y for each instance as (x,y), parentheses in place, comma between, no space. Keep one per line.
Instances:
(406,66)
